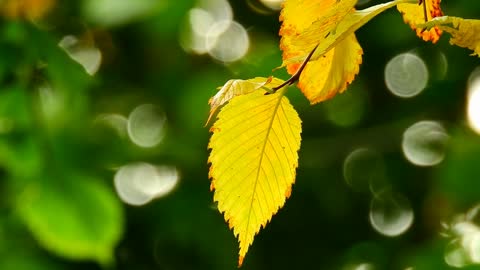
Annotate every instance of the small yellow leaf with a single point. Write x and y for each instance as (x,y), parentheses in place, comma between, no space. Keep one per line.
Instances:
(253,161)
(465,32)
(235,88)
(414,14)
(331,74)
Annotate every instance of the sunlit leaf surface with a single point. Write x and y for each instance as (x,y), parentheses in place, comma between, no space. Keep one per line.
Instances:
(253,161)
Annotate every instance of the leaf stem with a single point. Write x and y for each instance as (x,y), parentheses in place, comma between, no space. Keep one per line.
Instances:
(297,74)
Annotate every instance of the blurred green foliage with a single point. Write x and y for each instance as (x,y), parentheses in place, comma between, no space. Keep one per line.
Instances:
(58,205)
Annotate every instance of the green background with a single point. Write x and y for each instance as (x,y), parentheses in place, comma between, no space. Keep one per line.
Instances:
(58,205)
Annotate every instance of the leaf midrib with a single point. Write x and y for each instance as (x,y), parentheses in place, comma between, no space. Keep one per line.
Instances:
(262,152)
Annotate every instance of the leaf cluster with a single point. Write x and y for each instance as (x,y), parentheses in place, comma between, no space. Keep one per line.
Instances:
(321,52)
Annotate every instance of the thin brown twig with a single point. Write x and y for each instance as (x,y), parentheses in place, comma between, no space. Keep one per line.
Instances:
(425,11)
(297,74)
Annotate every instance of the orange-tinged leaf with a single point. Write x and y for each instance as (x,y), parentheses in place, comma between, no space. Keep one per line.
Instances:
(253,161)
(298,15)
(465,32)
(337,56)
(234,88)
(316,35)
(331,74)
(414,15)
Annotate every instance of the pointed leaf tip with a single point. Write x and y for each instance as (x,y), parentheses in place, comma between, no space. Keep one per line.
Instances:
(240,261)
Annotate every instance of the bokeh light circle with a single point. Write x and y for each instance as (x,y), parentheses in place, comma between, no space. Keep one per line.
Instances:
(391,214)
(473,107)
(146,125)
(130,180)
(455,255)
(139,183)
(272,4)
(406,75)
(227,41)
(364,170)
(424,143)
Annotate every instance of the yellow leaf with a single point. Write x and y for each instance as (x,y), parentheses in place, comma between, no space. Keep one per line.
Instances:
(253,161)
(337,56)
(298,15)
(419,13)
(464,32)
(235,88)
(331,74)
(325,38)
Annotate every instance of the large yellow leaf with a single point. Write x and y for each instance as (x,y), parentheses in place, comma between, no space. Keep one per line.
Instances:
(465,32)
(235,88)
(253,161)
(414,14)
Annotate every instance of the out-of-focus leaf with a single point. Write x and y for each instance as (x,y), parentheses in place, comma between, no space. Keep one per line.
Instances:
(19,155)
(76,217)
(459,172)
(25,261)
(30,9)
(115,12)
(414,15)
(21,158)
(14,109)
(465,32)
(235,88)
(253,161)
